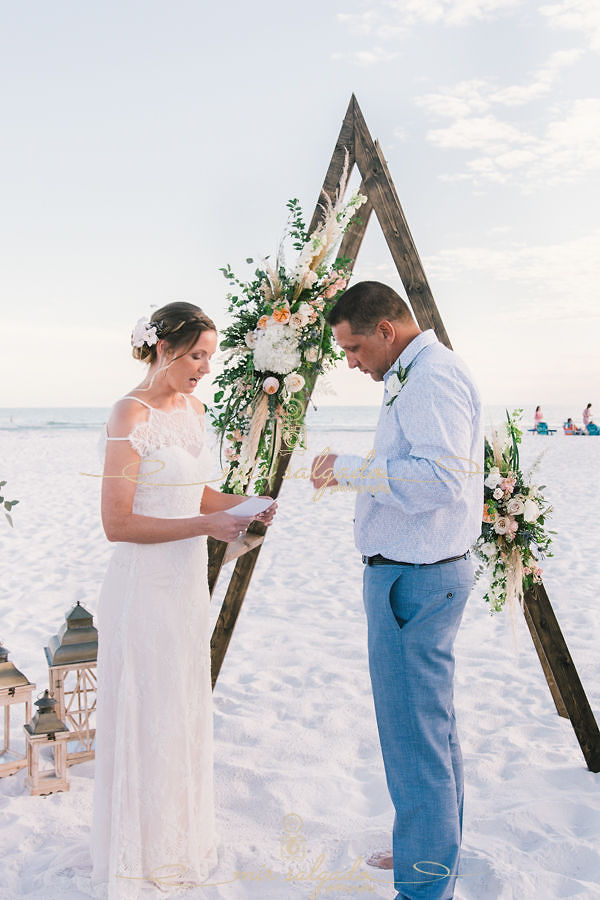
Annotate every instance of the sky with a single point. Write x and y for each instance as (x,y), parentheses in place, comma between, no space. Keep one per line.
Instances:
(146,144)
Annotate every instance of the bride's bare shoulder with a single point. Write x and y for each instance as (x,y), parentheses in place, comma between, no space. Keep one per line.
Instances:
(125,414)
(197,405)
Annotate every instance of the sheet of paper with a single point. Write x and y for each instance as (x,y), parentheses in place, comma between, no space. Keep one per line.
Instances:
(250,507)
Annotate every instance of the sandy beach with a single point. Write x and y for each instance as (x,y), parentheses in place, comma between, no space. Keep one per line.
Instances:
(300,790)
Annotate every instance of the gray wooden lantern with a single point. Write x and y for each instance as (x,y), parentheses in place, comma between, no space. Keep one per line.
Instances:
(72,656)
(46,731)
(15,688)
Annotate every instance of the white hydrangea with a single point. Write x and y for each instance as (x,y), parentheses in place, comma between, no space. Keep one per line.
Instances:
(276,350)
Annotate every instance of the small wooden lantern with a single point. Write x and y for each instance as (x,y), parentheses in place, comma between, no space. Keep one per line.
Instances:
(14,688)
(72,657)
(46,730)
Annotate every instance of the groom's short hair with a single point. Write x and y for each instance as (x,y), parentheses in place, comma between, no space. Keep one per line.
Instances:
(367,303)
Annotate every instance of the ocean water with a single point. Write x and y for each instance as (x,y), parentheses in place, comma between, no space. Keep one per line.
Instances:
(323,418)
(320,418)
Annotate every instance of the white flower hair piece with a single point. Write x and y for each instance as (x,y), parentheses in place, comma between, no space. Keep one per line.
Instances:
(144,333)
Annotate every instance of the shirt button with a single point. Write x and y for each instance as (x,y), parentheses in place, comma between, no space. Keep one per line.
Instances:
(449,595)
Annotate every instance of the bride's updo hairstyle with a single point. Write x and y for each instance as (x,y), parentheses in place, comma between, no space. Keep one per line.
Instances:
(180,324)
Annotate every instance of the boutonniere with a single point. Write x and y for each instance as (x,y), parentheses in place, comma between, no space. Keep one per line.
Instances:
(396,382)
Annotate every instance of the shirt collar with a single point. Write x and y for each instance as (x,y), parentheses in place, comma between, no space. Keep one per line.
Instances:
(418,343)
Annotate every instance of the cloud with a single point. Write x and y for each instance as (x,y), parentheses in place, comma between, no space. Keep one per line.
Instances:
(563,276)
(567,151)
(394,17)
(542,81)
(366,57)
(478,133)
(579,15)
(565,148)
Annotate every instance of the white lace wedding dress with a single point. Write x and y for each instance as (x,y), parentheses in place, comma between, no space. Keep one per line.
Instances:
(153,813)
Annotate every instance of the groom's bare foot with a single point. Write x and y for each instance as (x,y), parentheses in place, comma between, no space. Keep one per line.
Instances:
(383,859)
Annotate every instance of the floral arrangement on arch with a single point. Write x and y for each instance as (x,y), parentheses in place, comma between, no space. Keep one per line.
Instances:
(8,505)
(513,535)
(277,344)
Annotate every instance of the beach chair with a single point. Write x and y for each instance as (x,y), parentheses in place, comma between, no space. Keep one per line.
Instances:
(542,428)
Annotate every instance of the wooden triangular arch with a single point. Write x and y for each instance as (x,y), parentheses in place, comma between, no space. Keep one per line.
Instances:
(559,669)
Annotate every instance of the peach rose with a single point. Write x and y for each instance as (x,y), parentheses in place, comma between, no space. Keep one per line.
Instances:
(262,322)
(488,515)
(338,285)
(281,315)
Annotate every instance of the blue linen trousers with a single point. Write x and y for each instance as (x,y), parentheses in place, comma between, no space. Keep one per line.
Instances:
(413,615)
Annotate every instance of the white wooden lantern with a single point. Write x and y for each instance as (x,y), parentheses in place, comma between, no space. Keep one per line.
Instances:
(72,657)
(46,732)
(15,688)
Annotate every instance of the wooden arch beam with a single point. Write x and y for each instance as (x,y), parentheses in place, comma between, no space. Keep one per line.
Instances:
(355,140)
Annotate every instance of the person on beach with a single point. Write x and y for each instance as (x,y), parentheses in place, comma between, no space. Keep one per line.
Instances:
(587,416)
(414,536)
(153,815)
(539,416)
(571,428)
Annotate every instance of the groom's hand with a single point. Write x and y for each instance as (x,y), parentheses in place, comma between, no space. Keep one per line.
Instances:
(321,471)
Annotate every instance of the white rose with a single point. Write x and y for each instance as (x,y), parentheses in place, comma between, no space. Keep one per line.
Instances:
(501,524)
(531,510)
(494,478)
(488,549)
(305,309)
(311,354)
(393,385)
(309,279)
(498,494)
(515,506)
(250,339)
(298,320)
(270,385)
(293,382)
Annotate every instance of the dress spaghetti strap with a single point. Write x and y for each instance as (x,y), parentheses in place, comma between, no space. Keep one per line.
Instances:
(131,397)
(127,397)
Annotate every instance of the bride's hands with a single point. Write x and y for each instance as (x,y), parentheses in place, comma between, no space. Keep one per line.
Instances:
(225,527)
(268,514)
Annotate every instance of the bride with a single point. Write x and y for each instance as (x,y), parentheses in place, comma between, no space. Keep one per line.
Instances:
(153,817)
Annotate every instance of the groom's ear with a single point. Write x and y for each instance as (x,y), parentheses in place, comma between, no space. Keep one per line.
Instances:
(386,330)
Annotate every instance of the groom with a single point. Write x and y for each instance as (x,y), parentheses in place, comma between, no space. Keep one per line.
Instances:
(418,511)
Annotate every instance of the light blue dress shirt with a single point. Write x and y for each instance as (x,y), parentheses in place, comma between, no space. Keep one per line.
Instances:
(420,496)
